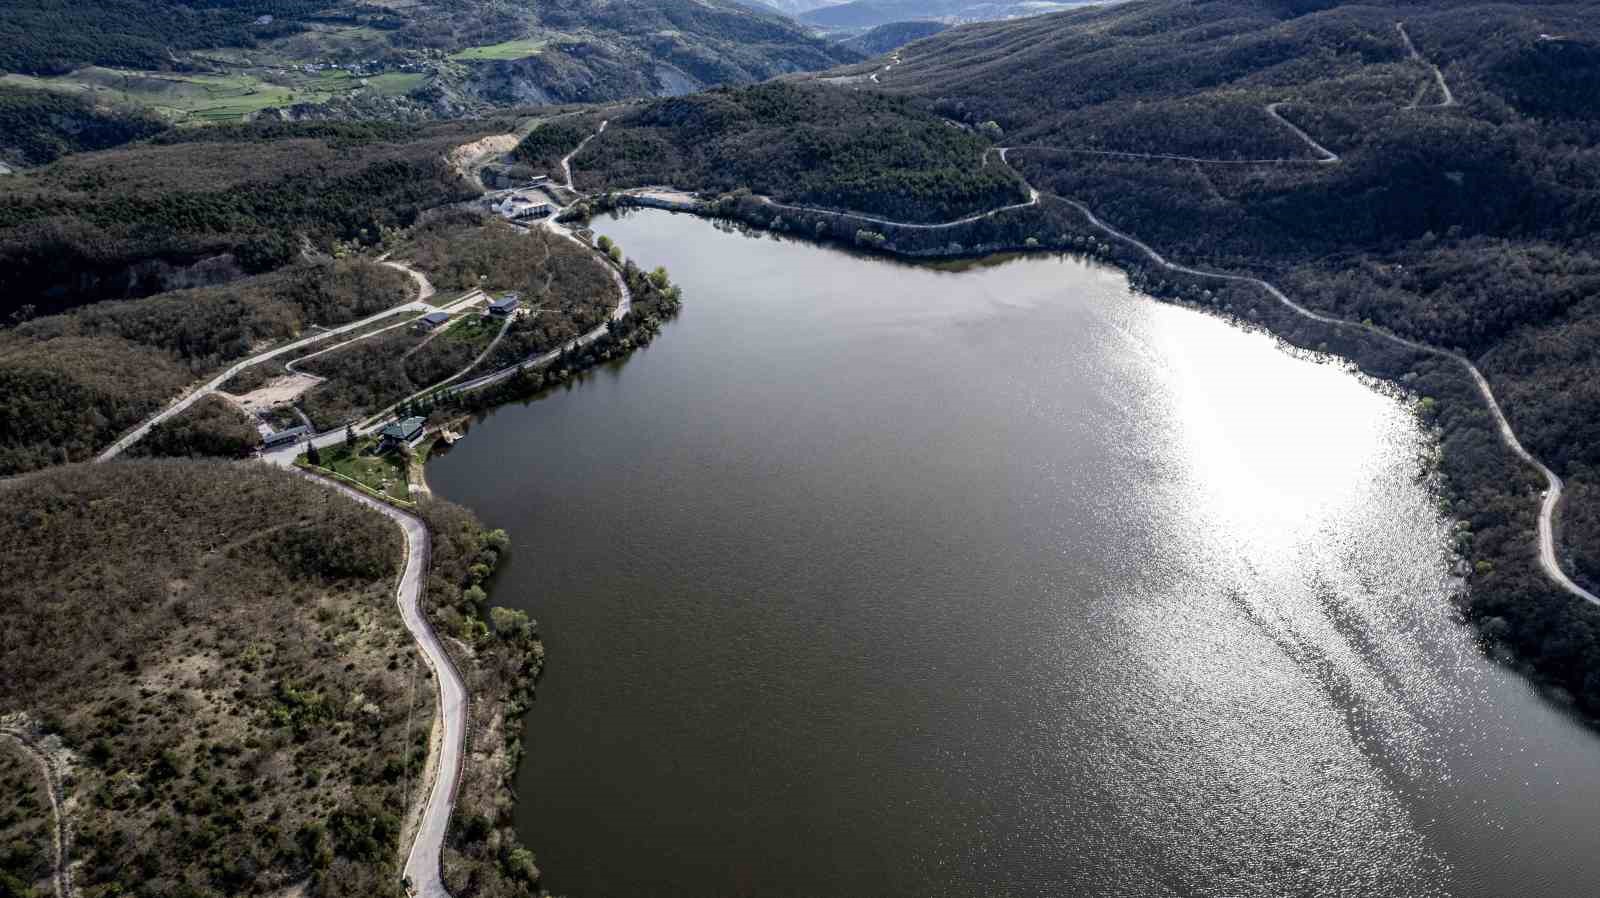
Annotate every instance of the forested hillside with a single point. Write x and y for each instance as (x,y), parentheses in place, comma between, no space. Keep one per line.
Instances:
(227,59)
(884,38)
(241,198)
(37,127)
(69,384)
(802,143)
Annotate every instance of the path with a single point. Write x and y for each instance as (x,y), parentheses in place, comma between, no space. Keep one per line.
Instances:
(422,866)
(566,161)
(1438,76)
(424,289)
(54,779)
(380,416)
(1325,156)
(1032,200)
(1552,496)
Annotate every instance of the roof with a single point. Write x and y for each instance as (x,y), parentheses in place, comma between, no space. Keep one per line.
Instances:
(509,301)
(436,318)
(404,430)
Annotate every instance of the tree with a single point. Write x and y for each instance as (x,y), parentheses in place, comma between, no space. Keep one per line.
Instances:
(350,437)
(312,455)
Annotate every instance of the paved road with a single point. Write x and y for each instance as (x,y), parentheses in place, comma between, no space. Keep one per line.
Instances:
(1552,496)
(422,862)
(215,383)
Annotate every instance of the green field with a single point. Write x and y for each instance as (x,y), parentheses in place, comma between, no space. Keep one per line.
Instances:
(207,98)
(520,49)
(384,473)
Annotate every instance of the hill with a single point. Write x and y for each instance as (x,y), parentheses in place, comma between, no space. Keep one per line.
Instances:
(801,143)
(863,14)
(198,206)
(38,127)
(892,36)
(230,59)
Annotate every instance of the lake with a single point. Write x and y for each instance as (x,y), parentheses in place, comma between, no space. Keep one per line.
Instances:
(998,579)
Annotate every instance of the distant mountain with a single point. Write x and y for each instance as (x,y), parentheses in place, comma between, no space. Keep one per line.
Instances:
(796,7)
(860,14)
(892,36)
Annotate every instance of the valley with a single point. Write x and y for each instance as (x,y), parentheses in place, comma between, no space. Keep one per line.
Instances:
(1199,396)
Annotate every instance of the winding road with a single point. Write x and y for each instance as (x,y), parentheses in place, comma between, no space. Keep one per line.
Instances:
(422,866)
(1548,559)
(424,290)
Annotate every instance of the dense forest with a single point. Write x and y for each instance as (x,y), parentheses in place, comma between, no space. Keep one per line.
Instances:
(210,428)
(802,143)
(53,36)
(38,126)
(69,384)
(214,202)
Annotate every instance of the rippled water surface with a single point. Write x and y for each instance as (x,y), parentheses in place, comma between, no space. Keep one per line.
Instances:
(877,580)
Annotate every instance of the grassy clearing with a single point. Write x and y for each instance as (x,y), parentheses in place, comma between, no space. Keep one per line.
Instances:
(215,98)
(384,473)
(518,49)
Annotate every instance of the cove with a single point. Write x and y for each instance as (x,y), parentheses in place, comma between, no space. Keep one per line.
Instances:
(871,579)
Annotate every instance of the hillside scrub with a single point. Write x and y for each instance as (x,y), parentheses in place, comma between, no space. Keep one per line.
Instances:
(210,428)
(70,384)
(804,144)
(128,222)
(228,669)
(38,127)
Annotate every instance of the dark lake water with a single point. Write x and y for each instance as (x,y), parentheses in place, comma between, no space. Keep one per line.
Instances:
(876,580)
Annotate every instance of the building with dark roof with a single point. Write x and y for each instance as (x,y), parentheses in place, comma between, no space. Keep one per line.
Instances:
(433,320)
(401,433)
(505,305)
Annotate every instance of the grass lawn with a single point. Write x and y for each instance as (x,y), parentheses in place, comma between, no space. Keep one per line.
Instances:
(520,49)
(384,473)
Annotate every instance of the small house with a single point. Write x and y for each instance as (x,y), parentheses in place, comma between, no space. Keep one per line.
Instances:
(401,433)
(432,320)
(505,305)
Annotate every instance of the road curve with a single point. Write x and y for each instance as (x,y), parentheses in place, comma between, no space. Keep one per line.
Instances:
(1548,559)
(422,865)
(424,288)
